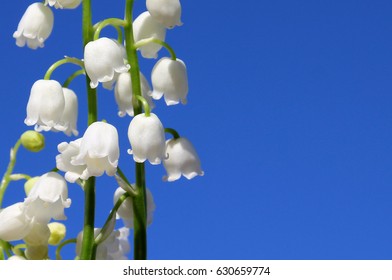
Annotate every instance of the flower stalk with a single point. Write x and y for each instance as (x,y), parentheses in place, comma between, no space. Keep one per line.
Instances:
(139,200)
(89,187)
(7,175)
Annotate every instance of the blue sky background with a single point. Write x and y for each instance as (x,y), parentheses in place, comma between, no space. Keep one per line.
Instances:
(289,109)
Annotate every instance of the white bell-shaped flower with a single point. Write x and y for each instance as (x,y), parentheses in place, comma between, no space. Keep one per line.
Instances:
(125,211)
(169,78)
(46,105)
(144,27)
(63,4)
(69,117)
(99,151)
(181,159)
(115,247)
(63,161)
(123,93)
(147,137)
(119,246)
(102,59)
(35,26)
(15,225)
(48,198)
(167,12)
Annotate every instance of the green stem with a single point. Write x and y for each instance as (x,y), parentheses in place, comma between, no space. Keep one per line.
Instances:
(62,244)
(73,76)
(108,222)
(17,177)
(65,60)
(89,187)
(144,42)
(115,22)
(173,132)
(147,110)
(7,175)
(139,201)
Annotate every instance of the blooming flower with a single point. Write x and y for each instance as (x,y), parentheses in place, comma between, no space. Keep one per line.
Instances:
(46,105)
(169,78)
(35,26)
(115,247)
(15,225)
(69,116)
(167,12)
(63,160)
(63,4)
(145,26)
(125,211)
(181,159)
(48,198)
(102,59)
(123,93)
(147,137)
(99,151)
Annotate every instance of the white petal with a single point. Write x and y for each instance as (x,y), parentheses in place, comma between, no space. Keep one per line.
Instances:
(35,26)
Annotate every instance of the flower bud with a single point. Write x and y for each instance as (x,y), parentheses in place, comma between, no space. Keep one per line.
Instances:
(33,141)
(57,233)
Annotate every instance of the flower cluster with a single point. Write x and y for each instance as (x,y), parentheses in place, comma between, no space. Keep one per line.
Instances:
(52,106)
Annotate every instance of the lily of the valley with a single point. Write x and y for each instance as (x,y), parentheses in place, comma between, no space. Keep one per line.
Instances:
(69,116)
(103,58)
(115,247)
(182,159)
(170,79)
(35,26)
(63,160)
(48,198)
(15,224)
(125,211)
(167,12)
(123,93)
(63,4)
(98,152)
(145,26)
(46,105)
(147,138)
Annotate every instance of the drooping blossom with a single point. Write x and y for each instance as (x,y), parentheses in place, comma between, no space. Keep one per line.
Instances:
(144,27)
(167,12)
(15,224)
(99,151)
(115,247)
(169,79)
(102,59)
(35,26)
(46,105)
(69,117)
(48,198)
(182,159)
(147,138)
(123,93)
(63,160)
(125,211)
